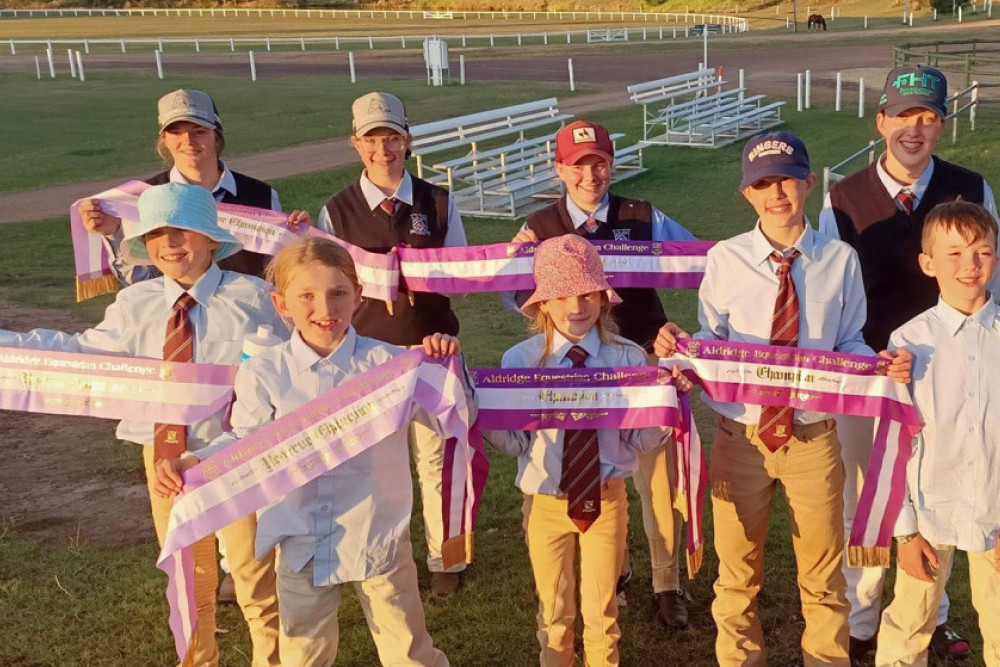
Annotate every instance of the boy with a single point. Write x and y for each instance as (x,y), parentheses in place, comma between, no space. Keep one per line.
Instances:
(584,158)
(815,285)
(952,486)
(193,312)
(384,208)
(880,211)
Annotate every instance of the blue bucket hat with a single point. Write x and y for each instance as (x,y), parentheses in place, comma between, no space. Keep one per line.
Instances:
(179,205)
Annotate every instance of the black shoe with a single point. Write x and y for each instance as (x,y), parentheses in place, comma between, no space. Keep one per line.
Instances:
(861,648)
(945,642)
(671,609)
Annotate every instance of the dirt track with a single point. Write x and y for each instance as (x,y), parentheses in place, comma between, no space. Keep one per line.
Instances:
(770,70)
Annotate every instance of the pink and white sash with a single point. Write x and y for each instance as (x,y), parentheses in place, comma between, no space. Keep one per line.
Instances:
(505,267)
(600,398)
(314,439)
(107,387)
(259,230)
(821,381)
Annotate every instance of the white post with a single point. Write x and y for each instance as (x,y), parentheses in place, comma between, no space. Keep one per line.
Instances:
(798,91)
(197,45)
(461,69)
(935,13)
(86,46)
(302,41)
(675,32)
(52,63)
(866,21)
(160,46)
(808,89)
(72,64)
(38,68)
(123,46)
(371,43)
(704,46)
(159,64)
(519,39)
(336,42)
(350,61)
(268,42)
(569,38)
(402,41)
(253,67)
(79,66)
(13,51)
(911,19)
(572,83)
(232,45)
(742,83)
(861,98)
(491,39)
(788,23)
(840,83)
(960,13)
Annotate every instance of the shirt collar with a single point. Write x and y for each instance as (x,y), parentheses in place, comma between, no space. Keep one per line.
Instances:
(893,187)
(578,216)
(305,357)
(762,248)
(374,196)
(226,181)
(201,291)
(954,319)
(591,343)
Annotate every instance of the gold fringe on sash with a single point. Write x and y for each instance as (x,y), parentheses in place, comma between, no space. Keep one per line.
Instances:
(457,550)
(192,647)
(88,289)
(694,561)
(867,556)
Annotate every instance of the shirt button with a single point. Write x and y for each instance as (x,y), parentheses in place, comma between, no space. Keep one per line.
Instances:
(972,464)
(972,357)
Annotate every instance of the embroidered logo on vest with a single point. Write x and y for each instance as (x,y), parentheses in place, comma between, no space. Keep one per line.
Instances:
(622,234)
(419,225)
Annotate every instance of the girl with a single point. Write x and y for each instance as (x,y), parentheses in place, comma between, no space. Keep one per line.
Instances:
(351,524)
(574,481)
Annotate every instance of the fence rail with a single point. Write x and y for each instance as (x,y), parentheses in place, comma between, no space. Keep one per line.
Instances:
(367,42)
(834,174)
(973,56)
(668,17)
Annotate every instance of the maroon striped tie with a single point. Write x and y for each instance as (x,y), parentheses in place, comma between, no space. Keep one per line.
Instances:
(170,440)
(906,200)
(775,426)
(388,205)
(581,466)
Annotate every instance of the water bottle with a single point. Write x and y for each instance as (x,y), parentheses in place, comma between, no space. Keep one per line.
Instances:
(255,343)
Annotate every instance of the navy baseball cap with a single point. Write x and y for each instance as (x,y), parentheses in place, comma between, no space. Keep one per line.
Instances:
(913,86)
(774,154)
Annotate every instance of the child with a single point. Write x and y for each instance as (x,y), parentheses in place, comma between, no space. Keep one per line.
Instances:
(194,303)
(571,306)
(815,285)
(353,523)
(952,479)
(880,211)
(384,208)
(584,159)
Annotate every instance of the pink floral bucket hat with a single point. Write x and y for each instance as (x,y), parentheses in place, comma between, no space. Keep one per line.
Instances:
(567,265)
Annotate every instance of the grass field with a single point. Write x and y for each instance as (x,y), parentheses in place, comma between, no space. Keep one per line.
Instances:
(91,604)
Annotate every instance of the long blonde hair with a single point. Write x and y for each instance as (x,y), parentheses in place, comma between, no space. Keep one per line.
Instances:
(607,328)
(282,268)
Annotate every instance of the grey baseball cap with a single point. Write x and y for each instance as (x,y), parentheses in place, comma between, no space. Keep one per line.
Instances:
(913,86)
(191,105)
(378,110)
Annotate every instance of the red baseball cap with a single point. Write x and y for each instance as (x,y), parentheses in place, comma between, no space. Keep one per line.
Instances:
(581,138)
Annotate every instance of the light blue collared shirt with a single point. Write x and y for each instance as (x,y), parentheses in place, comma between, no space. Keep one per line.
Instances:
(453,238)
(737,295)
(351,520)
(953,477)
(539,453)
(229,306)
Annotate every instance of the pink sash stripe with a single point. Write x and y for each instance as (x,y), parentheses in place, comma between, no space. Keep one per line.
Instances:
(108,387)
(317,437)
(851,385)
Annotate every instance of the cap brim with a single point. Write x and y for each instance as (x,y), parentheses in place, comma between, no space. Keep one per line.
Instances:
(365,129)
(893,110)
(575,157)
(190,119)
(133,248)
(788,171)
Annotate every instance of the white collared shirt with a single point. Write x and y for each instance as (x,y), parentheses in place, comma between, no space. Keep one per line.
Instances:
(665,228)
(229,306)
(539,453)
(953,477)
(828,220)
(348,521)
(737,295)
(455,236)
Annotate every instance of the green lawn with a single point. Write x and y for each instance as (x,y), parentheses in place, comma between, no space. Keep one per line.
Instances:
(45,141)
(112,611)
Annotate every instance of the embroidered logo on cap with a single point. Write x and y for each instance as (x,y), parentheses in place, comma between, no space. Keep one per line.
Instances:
(911,84)
(771,147)
(584,135)
(377,107)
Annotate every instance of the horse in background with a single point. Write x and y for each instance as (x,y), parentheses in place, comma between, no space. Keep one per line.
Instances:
(816,20)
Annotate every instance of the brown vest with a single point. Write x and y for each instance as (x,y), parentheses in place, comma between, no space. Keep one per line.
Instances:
(640,314)
(422,225)
(887,241)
